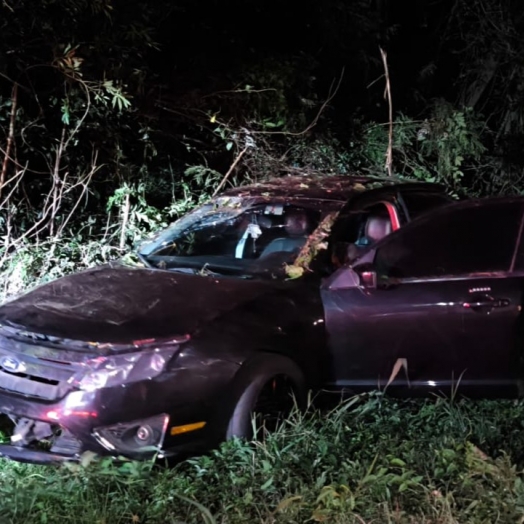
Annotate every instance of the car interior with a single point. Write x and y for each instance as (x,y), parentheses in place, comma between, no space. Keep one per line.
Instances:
(297,227)
(360,230)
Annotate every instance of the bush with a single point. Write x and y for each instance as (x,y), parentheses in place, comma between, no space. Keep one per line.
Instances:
(371,459)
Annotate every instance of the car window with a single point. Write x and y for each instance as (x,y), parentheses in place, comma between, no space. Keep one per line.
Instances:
(358,230)
(458,241)
(243,239)
(419,203)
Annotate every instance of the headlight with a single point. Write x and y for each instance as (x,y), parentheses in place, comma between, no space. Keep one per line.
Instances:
(106,372)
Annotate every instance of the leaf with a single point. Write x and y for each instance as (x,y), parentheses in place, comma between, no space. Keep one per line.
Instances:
(266,484)
(399,364)
(65,111)
(284,504)
(266,466)
(229,145)
(293,271)
(86,458)
(206,514)
(397,462)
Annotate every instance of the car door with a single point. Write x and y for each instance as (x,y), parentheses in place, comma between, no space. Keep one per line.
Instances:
(444,311)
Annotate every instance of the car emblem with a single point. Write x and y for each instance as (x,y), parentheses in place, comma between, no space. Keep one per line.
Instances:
(11,364)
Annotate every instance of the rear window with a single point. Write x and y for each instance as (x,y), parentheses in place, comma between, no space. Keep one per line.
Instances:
(461,241)
(418,204)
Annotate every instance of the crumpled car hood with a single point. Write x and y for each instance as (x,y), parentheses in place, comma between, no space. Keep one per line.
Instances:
(118,304)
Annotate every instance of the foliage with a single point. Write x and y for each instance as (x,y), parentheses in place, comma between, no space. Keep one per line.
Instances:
(445,147)
(101,142)
(370,459)
(130,218)
(486,36)
(32,265)
(65,92)
(316,243)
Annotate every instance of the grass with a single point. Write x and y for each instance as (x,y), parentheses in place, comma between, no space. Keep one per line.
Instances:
(373,459)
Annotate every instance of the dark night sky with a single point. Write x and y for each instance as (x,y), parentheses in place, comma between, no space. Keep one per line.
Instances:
(205,44)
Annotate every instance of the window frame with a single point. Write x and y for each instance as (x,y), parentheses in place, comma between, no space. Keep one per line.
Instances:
(371,257)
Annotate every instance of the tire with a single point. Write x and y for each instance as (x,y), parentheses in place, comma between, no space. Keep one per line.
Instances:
(267,386)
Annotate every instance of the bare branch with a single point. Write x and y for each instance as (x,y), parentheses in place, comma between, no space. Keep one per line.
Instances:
(10,136)
(387,96)
(230,170)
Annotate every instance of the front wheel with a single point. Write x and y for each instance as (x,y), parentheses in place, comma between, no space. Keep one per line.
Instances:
(267,389)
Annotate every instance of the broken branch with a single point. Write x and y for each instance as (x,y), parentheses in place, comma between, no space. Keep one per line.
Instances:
(230,170)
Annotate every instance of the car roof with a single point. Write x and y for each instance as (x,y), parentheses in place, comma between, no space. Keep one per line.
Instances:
(324,187)
(471,203)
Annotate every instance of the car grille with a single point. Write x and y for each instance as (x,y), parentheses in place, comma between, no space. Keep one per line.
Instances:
(26,373)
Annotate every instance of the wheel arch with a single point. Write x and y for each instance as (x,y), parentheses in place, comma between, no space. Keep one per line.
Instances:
(252,376)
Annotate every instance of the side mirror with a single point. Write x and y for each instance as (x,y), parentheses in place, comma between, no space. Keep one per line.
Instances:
(347,278)
(362,275)
(344,278)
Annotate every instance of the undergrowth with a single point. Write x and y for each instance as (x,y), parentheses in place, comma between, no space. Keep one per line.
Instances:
(372,459)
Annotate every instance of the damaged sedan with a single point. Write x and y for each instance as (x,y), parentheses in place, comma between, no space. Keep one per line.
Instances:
(243,305)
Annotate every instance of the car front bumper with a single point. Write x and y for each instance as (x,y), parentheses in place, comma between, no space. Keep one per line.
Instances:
(34,456)
(131,422)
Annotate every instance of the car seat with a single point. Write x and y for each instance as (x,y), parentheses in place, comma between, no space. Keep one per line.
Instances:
(377,227)
(297,226)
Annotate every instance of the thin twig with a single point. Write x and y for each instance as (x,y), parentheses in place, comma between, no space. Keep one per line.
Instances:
(57,182)
(216,93)
(21,166)
(332,93)
(230,170)
(5,4)
(371,84)
(84,182)
(10,136)
(387,96)
(125,219)
(17,177)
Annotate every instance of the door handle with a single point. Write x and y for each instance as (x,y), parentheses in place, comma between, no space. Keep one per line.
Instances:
(486,303)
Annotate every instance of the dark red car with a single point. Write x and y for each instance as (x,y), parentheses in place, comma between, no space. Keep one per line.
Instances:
(294,284)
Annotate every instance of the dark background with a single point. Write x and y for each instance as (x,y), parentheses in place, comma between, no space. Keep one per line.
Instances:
(159,99)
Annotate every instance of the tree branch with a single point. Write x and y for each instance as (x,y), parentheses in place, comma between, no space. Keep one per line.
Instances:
(10,136)
(387,96)
(230,170)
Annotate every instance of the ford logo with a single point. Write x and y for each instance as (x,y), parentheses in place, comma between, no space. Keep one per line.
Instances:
(11,364)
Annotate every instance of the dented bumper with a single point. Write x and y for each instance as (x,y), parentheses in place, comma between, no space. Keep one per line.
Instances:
(153,398)
(34,456)
(112,421)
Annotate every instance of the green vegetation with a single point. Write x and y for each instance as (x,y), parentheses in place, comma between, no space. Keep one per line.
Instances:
(116,117)
(446,147)
(372,459)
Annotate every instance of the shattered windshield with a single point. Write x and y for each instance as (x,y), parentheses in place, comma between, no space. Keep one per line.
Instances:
(232,236)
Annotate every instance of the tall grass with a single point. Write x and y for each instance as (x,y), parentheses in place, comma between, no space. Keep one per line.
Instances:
(372,459)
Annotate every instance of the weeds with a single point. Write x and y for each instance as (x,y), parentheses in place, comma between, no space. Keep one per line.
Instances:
(372,459)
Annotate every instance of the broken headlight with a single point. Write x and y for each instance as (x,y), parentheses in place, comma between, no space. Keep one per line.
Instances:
(106,372)
(142,436)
